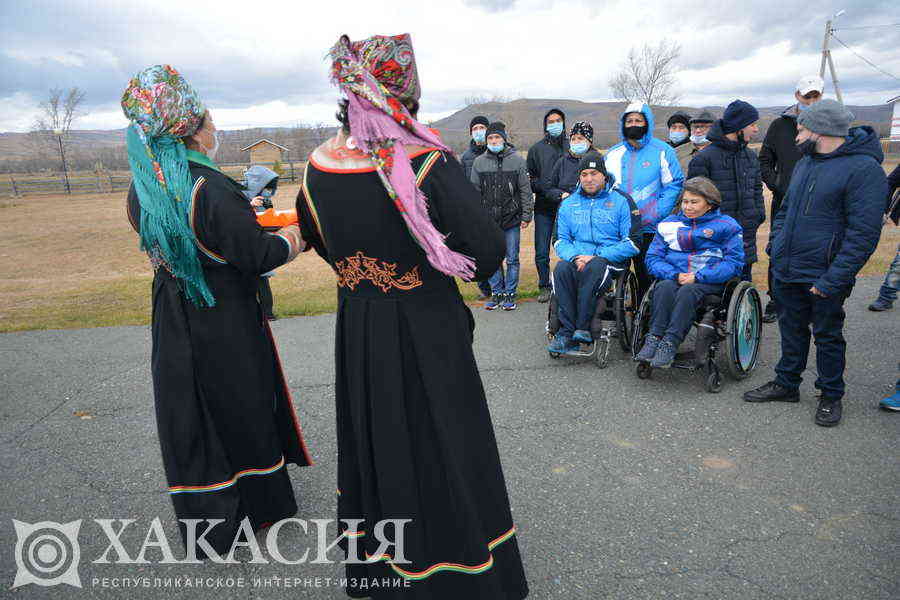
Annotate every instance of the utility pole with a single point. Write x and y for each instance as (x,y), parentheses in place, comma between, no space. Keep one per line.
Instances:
(826,57)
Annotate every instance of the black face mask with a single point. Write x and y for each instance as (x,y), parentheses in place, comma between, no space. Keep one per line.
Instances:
(807,146)
(635,133)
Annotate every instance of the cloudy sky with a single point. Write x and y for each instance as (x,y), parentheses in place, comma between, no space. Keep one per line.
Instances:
(263,63)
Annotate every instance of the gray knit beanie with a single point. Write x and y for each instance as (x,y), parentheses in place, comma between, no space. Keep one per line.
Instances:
(827,117)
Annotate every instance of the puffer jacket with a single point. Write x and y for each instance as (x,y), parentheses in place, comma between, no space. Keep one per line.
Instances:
(468,157)
(709,246)
(649,173)
(541,157)
(564,177)
(779,153)
(502,180)
(734,168)
(607,225)
(830,220)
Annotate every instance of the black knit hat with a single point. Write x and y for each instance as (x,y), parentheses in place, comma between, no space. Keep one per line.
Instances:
(679,117)
(479,120)
(584,128)
(704,117)
(592,160)
(499,128)
(738,114)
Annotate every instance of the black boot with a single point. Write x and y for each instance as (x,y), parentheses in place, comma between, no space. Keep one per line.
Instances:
(828,414)
(772,392)
(770,315)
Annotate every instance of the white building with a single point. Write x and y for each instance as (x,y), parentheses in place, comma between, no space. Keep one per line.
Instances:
(894,145)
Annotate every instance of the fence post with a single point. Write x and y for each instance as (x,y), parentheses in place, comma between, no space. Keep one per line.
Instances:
(99,187)
(15,189)
(293,179)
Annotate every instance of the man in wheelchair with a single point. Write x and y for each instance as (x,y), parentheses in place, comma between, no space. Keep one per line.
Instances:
(693,254)
(598,229)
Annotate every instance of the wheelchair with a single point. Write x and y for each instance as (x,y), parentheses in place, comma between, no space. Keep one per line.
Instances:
(732,321)
(614,316)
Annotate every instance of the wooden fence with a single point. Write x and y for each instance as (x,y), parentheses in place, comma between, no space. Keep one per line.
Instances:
(13,185)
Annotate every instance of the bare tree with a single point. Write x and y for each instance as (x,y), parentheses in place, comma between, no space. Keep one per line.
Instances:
(648,74)
(59,110)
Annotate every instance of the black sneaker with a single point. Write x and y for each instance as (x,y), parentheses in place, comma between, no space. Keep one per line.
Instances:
(828,414)
(544,296)
(770,315)
(772,392)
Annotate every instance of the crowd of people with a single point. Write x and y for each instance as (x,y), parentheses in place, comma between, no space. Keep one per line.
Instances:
(699,195)
(398,218)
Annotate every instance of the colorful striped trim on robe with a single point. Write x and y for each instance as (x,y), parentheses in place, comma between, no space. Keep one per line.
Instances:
(446,566)
(215,487)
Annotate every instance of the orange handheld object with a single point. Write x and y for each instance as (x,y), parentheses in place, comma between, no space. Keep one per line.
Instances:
(272,219)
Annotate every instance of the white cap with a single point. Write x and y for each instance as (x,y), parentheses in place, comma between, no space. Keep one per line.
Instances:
(810,83)
(637,107)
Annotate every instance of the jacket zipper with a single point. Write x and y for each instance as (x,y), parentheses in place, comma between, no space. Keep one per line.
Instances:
(809,193)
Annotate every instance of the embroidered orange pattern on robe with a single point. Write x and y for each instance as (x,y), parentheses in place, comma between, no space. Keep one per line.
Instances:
(359,267)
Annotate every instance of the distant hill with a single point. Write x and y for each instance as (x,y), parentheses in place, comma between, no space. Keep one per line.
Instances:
(523,118)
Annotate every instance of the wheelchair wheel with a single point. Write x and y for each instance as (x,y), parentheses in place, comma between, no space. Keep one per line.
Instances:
(745,330)
(644,370)
(552,318)
(627,303)
(641,324)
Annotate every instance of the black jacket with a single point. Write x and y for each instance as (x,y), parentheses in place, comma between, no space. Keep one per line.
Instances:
(734,168)
(830,221)
(779,154)
(502,181)
(469,156)
(563,177)
(541,158)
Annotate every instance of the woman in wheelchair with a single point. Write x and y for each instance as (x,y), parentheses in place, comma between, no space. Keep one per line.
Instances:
(598,227)
(693,254)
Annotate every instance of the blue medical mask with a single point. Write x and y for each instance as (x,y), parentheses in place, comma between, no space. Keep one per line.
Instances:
(495,148)
(678,136)
(479,136)
(555,129)
(578,148)
(699,139)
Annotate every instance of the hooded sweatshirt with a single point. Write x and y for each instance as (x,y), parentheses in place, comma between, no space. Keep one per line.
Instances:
(830,220)
(541,158)
(649,173)
(257,179)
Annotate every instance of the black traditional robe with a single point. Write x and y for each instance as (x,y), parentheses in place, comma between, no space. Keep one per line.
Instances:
(415,439)
(226,424)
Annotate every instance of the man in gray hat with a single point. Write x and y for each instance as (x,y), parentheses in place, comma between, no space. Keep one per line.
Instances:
(826,229)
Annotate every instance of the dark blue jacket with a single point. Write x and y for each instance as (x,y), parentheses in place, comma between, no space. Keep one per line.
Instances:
(709,246)
(734,168)
(830,220)
(564,176)
(468,157)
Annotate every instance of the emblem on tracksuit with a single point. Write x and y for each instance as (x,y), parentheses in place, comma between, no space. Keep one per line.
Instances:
(645,164)
(707,233)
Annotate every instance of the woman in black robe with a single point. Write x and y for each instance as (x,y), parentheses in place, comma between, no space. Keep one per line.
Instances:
(415,439)
(226,424)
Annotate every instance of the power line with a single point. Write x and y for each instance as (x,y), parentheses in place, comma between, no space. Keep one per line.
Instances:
(868,26)
(873,65)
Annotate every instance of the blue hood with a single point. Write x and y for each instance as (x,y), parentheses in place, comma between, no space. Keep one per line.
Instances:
(860,140)
(648,114)
(258,178)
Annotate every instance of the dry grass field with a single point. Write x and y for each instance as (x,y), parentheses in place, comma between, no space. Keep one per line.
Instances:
(73,261)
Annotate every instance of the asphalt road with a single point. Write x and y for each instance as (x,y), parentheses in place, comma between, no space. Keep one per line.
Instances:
(621,488)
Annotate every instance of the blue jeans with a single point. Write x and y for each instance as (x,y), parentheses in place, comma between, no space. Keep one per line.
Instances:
(675,306)
(891,283)
(576,291)
(798,308)
(544,229)
(507,283)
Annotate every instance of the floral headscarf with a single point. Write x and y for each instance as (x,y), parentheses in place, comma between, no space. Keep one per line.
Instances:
(162,108)
(378,75)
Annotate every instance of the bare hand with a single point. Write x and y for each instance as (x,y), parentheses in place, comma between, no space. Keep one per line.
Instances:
(525,224)
(581,260)
(686,278)
(258,201)
(564,195)
(815,291)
